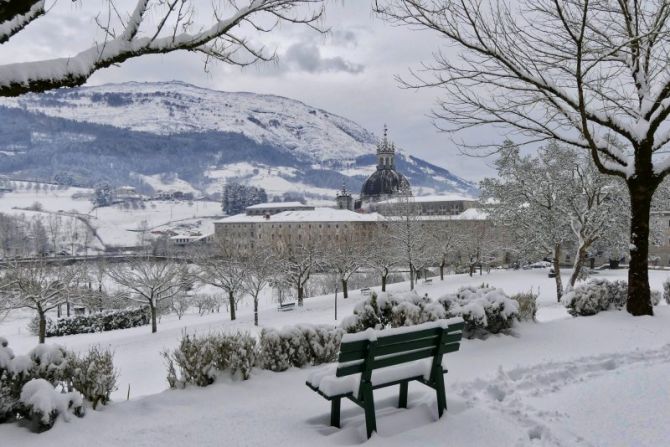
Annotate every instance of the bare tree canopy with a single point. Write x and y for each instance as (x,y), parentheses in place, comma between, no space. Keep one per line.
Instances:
(594,74)
(151,27)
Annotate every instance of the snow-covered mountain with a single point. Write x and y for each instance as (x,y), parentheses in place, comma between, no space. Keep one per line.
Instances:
(175,135)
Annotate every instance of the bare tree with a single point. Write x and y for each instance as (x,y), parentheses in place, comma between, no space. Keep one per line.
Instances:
(260,267)
(223,267)
(344,255)
(380,255)
(296,263)
(444,242)
(594,74)
(36,285)
(151,27)
(407,233)
(150,282)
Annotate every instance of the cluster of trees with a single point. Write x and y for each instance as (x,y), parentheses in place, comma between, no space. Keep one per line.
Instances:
(556,200)
(593,75)
(237,197)
(21,236)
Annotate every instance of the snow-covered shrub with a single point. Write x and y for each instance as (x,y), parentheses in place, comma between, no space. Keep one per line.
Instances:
(666,290)
(655,297)
(94,375)
(99,322)
(273,351)
(298,346)
(243,357)
(41,403)
(64,375)
(200,359)
(527,305)
(599,295)
(485,310)
(392,310)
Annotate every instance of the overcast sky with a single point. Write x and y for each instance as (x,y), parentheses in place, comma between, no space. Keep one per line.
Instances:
(349,72)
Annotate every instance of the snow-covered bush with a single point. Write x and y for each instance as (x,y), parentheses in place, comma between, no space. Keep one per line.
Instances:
(41,403)
(94,375)
(98,322)
(392,310)
(599,295)
(298,346)
(199,360)
(485,310)
(666,290)
(66,375)
(527,305)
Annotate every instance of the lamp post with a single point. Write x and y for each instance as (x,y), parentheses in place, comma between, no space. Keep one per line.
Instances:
(336,287)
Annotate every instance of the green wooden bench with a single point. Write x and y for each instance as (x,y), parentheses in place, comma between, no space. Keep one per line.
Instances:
(386,358)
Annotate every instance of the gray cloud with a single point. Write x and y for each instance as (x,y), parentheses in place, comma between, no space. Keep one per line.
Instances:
(307,57)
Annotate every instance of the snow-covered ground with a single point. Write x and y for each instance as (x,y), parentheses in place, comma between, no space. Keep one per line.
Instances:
(116,225)
(563,381)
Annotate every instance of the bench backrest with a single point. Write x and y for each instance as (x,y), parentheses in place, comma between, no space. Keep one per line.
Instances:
(400,346)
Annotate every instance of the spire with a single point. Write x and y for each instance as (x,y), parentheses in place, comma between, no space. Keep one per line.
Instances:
(385,152)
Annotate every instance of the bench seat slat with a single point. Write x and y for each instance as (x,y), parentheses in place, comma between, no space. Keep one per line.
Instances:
(415,344)
(403,358)
(391,339)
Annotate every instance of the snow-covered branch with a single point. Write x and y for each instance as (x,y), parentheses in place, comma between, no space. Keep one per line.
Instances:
(139,37)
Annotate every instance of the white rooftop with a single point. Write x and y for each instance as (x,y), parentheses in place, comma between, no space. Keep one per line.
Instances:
(271,205)
(433,198)
(308,215)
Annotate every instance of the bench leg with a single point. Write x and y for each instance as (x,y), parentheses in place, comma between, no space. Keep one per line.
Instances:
(402,399)
(369,406)
(335,412)
(438,380)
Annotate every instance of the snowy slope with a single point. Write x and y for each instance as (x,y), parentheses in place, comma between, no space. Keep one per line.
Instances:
(563,381)
(174,107)
(124,133)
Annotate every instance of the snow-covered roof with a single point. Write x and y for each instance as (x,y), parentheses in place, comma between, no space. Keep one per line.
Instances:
(309,215)
(469,214)
(432,198)
(271,205)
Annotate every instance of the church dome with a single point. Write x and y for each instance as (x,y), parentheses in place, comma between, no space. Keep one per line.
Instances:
(383,183)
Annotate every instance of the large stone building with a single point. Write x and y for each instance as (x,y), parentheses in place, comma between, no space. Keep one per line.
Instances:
(290,229)
(385,199)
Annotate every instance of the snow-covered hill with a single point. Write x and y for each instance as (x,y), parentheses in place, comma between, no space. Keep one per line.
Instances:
(168,108)
(149,133)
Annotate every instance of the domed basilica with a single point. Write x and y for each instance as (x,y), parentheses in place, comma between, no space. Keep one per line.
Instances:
(385,182)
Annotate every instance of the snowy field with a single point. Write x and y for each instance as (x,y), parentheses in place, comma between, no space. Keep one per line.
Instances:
(563,381)
(116,225)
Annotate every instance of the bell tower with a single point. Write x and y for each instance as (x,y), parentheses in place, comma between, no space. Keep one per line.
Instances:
(385,153)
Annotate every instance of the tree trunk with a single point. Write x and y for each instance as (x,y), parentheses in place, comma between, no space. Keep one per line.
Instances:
(639,296)
(579,263)
(384,276)
(442,271)
(231,303)
(256,310)
(411,277)
(42,332)
(154,325)
(557,270)
(345,288)
(300,297)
